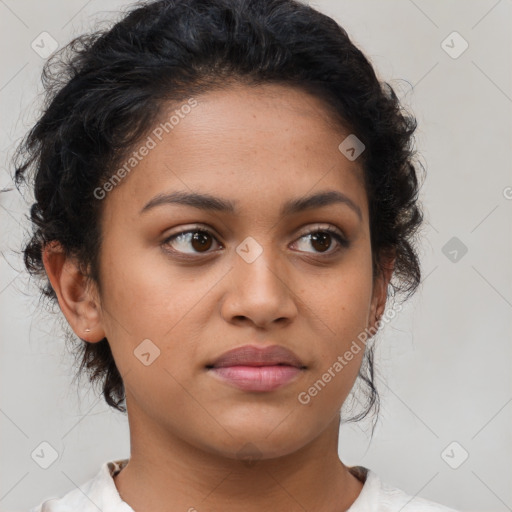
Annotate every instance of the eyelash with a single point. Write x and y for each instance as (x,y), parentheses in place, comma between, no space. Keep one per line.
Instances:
(343,243)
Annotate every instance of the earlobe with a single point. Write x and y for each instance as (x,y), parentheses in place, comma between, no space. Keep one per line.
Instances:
(76,300)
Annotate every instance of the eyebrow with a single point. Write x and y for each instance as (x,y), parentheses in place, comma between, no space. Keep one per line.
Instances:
(211,203)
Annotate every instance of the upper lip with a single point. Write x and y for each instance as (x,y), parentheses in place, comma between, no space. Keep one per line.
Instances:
(250,355)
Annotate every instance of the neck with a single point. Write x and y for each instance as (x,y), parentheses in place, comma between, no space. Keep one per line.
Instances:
(165,470)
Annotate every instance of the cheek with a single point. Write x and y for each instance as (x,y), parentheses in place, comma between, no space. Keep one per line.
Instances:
(341,299)
(145,297)
(339,306)
(146,292)
(340,311)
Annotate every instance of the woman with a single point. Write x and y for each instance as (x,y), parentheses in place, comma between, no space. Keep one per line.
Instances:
(225,195)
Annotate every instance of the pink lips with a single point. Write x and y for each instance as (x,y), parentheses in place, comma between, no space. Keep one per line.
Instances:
(252,368)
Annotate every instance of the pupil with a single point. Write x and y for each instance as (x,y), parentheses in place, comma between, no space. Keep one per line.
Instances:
(323,239)
(200,241)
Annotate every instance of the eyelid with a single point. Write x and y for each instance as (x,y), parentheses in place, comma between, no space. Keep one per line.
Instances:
(322,227)
(193,228)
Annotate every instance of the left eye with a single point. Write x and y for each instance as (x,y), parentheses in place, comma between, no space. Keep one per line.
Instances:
(201,240)
(321,239)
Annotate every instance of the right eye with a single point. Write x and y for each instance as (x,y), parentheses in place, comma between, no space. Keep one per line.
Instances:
(200,240)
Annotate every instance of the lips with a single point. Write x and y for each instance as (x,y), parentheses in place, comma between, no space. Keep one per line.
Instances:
(255,369)
(250,355)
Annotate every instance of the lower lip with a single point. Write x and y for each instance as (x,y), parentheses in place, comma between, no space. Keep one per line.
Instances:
(257,378)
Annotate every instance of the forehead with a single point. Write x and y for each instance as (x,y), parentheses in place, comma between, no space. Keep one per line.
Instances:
(256,145)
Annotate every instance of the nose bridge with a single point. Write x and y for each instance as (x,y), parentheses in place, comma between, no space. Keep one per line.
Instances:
(259,289)
(257,264)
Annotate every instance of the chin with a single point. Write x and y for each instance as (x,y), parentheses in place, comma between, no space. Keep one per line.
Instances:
(260,442)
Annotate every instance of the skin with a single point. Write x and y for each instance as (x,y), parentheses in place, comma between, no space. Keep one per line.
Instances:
(259,147)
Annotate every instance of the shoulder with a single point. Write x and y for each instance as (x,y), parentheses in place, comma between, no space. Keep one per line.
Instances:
(377,496)
(98,493)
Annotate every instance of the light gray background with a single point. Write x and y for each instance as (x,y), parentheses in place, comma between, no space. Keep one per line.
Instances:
(444,363)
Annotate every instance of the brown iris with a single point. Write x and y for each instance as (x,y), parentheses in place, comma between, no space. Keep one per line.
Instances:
(321,241)
(201,240)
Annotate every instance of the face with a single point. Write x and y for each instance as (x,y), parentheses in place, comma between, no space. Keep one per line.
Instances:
(183,284)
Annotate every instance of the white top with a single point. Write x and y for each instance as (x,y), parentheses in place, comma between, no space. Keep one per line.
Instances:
(100,493)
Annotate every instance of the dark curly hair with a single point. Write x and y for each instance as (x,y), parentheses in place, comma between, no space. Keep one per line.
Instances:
(105,90)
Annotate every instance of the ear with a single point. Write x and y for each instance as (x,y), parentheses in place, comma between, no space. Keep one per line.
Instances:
(380,287)
(77,300)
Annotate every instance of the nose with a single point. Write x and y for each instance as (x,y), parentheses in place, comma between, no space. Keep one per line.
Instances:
(259,292)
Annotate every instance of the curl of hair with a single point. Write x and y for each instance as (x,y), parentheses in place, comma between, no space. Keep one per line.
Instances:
(106,90)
